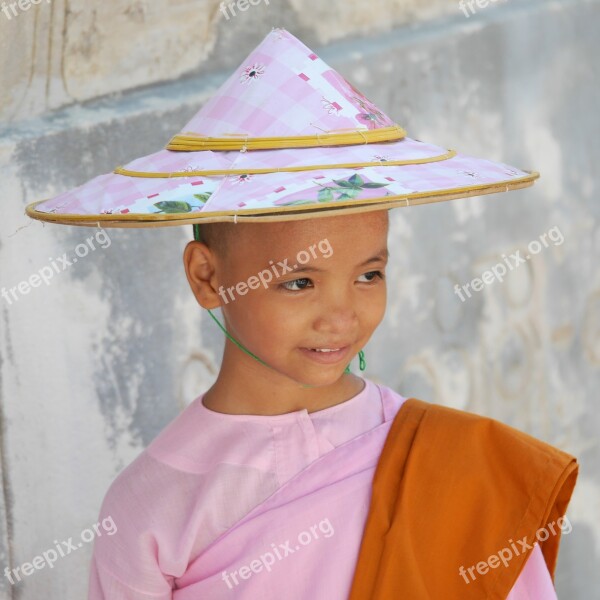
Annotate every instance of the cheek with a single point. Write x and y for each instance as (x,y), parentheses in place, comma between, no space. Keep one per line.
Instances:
(375,309)
(284,319)
(269,328)
(261,313)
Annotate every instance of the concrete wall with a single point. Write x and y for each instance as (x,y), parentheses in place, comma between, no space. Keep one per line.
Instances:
(63,52)
(95,364)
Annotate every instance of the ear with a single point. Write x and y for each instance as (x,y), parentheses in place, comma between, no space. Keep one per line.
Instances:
(200,269)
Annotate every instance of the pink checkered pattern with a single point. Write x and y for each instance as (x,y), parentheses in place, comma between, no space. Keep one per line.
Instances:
(285,100)
(281,89)
(168,161)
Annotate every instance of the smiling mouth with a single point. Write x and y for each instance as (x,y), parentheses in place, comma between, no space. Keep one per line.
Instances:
(324,349)
(326,355)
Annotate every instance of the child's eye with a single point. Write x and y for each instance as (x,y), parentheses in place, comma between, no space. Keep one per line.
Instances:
(371,275)
(300,283)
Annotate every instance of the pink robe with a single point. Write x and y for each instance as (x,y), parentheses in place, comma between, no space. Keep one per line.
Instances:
(253,507)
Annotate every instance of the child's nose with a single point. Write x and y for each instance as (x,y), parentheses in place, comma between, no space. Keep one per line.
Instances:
(337,315)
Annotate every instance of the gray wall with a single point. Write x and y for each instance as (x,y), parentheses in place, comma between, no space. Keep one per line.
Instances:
(95,364)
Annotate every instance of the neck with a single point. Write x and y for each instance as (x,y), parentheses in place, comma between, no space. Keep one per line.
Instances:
(244,386)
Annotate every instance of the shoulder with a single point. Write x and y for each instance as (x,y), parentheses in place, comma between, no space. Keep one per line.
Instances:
(156,505)
(183,464)
(481,442)
(158,476)
(199,441)
(475,426)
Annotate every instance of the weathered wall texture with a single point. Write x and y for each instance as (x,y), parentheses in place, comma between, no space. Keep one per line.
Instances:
(95,364)
(67,51)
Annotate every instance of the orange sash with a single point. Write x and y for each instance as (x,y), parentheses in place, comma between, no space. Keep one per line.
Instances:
(453,489)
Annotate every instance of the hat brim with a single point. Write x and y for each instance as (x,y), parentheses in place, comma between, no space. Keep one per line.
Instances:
(172,188)
(284,213)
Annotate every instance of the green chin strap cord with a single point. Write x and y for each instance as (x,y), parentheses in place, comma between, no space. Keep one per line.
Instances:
(361,355)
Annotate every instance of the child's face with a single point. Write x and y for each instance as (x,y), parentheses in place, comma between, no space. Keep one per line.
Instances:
(333,301)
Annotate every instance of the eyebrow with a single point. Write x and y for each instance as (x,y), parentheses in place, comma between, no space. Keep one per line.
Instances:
(383,254)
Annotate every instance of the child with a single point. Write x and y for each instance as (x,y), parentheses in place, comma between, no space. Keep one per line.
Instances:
(291,477)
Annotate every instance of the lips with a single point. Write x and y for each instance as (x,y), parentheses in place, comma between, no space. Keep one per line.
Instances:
(327,354)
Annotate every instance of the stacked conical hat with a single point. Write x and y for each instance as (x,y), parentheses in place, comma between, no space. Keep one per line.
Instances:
(285,137)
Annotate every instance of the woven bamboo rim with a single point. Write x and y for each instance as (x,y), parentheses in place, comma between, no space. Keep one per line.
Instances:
(192,141)
(282,213)
(225,172)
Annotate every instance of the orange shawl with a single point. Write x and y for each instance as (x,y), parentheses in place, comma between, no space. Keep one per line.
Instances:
(451,490)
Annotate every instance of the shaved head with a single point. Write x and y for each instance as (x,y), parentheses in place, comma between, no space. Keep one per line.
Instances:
(217,236)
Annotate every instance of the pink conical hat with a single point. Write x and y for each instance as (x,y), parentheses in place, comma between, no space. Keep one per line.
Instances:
(283,89)
(285,137)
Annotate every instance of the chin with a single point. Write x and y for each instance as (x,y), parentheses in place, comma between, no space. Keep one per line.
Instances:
(322,379)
